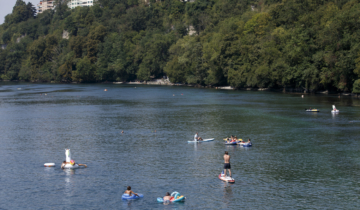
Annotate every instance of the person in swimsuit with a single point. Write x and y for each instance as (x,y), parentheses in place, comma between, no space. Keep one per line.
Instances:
(167,197)
(130,192)
(227,163)
(63,164)
(197,137)
(234,139)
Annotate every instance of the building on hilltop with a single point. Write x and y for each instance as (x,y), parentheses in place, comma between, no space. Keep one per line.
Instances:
(45,5)
(49,4)
(80,3)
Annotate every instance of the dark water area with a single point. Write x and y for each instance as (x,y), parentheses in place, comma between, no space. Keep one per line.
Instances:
(298,160)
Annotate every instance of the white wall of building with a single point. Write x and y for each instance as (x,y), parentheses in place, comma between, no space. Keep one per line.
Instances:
(80,3)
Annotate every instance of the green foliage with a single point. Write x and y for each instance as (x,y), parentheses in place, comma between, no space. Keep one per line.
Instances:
(85,71)
(251,43)
(356,87)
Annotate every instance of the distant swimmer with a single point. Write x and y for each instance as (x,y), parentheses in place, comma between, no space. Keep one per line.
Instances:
(122,131)
(227,165)
(167,197)
(130,192)
(197,137)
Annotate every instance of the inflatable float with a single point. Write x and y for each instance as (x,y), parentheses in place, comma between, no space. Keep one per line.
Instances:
(245,144)
(204,140)
(226,178)
(231,143)
(334,110)
(129,197)
(69,163)
(175,197)
(229,139)
(49,164)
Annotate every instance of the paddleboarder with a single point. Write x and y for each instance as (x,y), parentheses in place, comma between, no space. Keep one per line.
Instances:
(227,165)
(197,137)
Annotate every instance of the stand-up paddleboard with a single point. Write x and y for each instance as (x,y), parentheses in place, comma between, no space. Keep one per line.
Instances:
(49,164)
(205,140)
(312,110)
(226,179)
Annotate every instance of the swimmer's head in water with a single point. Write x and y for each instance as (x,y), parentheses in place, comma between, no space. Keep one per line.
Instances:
(226,152)
(128,188)
(167,194)
(72,162)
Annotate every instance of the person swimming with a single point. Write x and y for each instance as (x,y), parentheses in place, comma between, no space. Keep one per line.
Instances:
(167,197)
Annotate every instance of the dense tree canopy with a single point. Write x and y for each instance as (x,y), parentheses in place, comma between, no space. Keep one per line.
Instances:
(309,44)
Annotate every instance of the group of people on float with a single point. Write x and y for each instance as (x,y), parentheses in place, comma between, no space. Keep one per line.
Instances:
(235,139)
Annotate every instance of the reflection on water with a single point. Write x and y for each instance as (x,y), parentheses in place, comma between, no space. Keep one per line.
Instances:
(282,170)
(334,114)
(228,194)
(69,187)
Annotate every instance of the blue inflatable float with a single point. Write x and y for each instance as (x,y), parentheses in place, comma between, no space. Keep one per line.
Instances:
(231,143)
(175,197)
(247,144)
(133,196)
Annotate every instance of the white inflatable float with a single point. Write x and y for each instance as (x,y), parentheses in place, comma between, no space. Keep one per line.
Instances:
(49,164)
(334,110)
(68,160)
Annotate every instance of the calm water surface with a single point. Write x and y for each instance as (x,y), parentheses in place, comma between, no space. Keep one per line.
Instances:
(298,160)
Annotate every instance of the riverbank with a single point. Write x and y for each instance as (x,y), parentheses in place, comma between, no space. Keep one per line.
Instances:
(168,83)
(284,90)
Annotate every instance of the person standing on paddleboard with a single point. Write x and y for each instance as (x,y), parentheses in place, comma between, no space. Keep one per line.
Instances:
(227,164)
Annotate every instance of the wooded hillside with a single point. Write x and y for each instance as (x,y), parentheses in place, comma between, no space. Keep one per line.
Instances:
(310,44)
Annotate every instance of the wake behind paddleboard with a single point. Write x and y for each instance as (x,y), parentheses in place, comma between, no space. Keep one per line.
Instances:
(227,179)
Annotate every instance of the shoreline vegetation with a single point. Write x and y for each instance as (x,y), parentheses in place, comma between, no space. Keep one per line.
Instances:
(161,82)
(290,45)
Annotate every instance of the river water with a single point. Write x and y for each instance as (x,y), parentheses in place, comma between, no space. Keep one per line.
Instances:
(298,160)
